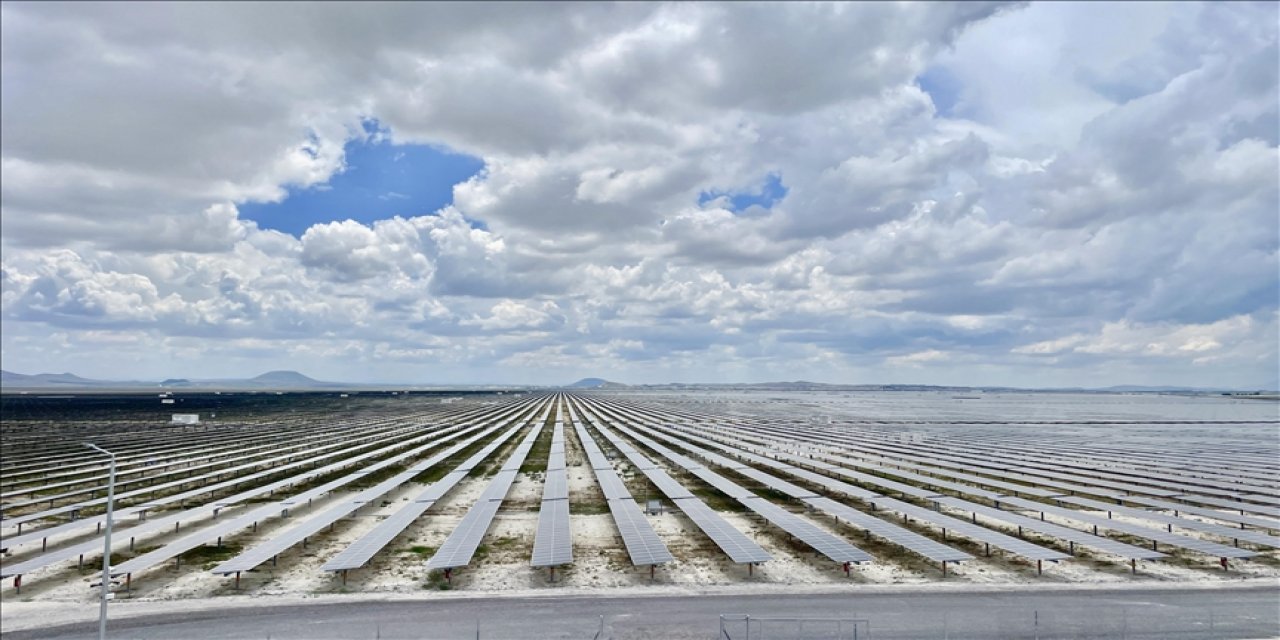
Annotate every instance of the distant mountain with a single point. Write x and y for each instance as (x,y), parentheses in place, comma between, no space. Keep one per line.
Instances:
(1133,388)
(46,380)
(292,380)
(269,380)
(287,379)
(596,383)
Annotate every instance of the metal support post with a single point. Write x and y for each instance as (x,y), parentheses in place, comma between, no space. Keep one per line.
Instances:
(106,543)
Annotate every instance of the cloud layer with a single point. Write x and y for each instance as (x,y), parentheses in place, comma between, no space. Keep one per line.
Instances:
(1075,194)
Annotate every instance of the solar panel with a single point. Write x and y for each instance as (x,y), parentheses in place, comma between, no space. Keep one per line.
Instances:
(164,500)
(833,484)
(463,541)
(198,538)
(900,487)
(1231,504)
(440,487)
(1233,533)
(611,485)
(1106,545)
(552,544)
(734,543)
(821,541)
(668,486)
(1158,535)
(973,531)
(777,484)
(1228,516)
(724,485)
(555,460)
(556,486)
(359,552)
(642,542)
(269,549)
(908,539)
(1259,497)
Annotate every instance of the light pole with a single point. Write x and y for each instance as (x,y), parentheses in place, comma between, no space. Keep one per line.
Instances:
(106,543)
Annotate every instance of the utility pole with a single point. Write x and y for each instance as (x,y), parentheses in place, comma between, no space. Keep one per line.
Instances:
(106,543)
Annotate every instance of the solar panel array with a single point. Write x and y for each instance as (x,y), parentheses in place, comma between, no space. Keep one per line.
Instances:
(122,513)
(1211,479)
(733,542)
(1180,507)
(1106,545)
(982,534)
(1184,523)
(822,541)
(905,538)
(186,543)
(553,541)
(309,527)
(642,542)
(1156,535)
(360,551)
(461,545)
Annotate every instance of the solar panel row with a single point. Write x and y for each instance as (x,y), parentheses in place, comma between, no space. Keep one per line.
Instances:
(462,543)
(359,552)
(733,542)
(642,542)
(553,540)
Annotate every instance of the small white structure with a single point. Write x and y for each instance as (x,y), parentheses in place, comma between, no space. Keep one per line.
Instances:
(166,401)
(186,418)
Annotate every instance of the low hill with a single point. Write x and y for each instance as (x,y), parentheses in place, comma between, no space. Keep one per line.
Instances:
(285,378)
(596,383)
(11,379)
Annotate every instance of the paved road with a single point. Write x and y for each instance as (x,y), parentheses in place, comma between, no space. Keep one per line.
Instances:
(1150,614)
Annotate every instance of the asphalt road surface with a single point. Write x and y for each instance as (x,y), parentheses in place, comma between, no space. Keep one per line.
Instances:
(1153,614)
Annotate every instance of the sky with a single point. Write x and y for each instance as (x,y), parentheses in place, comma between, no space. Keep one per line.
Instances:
(1029,195)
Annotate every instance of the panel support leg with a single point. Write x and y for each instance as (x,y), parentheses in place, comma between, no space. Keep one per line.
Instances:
(237,581)
(1039,567)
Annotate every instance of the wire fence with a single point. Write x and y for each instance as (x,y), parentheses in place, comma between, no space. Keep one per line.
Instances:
(1134,620)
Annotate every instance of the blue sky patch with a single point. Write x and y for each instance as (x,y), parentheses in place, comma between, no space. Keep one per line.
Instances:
(381,180)
(943,87)
(764,195)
